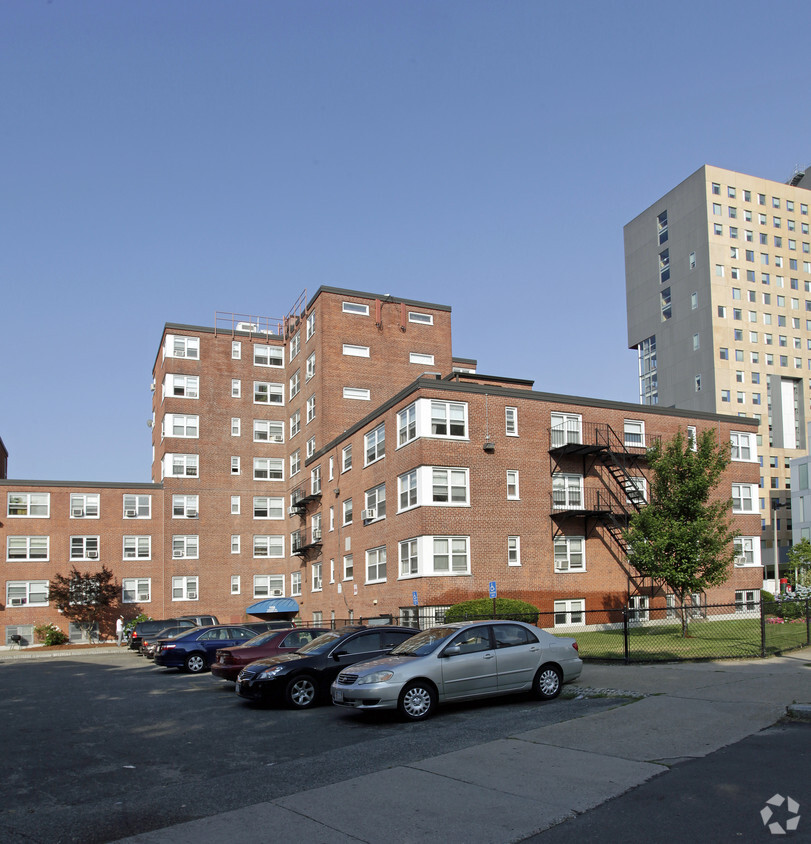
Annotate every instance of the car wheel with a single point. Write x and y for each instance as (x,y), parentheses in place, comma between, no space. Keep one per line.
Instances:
(195,663)
(547,683)
(417,701)
(301,692)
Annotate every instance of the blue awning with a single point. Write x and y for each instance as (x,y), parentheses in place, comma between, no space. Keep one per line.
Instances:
(273,605)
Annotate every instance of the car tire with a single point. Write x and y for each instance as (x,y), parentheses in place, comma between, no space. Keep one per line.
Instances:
(417,701)
(195,663)
(547,683)
(301,692)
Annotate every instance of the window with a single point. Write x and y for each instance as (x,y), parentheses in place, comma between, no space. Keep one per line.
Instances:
(355,308)
(666,305)
(295,423)
(357,393)
(295,383)
(355,351)
(570,553)
(137,547)
(513,550)
(266,507)
(182,347)
(265,430)
(723,353)
(268,356)
(696,342)
(295,462)
(634,433)
(692,437)
(137,506)
(268,546)
(234,465)
(450,486)
(19,548)
(719,270)
(236,426)
(511,421)
(236,584)
(375,503)
(315,481)
(178,425)
(84,505)
(310,409)
(420,358)
(376,565)
(32,505)
(236,388)
(310,325)
(744,498)
(661,227)
(716,209)
(236,350)
(692,260)
(268,469)
(638,608)
(747,551)
(84,547)
(747,600)
(694,302)
(636,491)
(569,612)
(136,590)
(295,583)
(407,425)
(375,444)
(309,369)
(182,465)
(347,508)
(423,319)
(725,395)
(316,578)
(346,458)
(182,386)
(567,491)
(448,419)
(185,547)
(235,505)
(268,586)
(295,345)
(310,447)
(407,490)
(184,588)
(30,593)
(409,557)
(349,568)
(264,393)
(450,555)
(743,447)
(236,544)
(716,188)
(512,485)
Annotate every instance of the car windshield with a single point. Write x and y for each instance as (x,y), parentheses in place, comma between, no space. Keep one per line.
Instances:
(322,643)
(261,638)
(425,642)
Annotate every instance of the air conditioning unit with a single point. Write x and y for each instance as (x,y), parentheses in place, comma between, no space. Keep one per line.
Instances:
(152,386)
(277,593)
(277,438)
(562,565)
(740,559)
(192,596)
(17,602)
(317,535)
(369,515)
(180,353)
(247,326)
(91,555)
(130,514)
(295,510)
(78,512)
(177,553)
(191,514)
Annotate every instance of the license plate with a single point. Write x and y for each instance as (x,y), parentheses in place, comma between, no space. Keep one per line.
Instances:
(338,695)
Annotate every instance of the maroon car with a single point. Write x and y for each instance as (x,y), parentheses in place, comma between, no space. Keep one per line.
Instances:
(228,662)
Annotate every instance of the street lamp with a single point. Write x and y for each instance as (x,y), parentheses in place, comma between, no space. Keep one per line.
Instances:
(777,505)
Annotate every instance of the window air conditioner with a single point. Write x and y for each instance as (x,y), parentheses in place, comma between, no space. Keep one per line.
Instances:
(562,565)
(91,555)
(17,602)
(180,353)
(369,515)
(130,514)
(317,535)
(295,510)
(177,553)
(191,514)
(277,438)
(277,593)
(78,512)
(740,559)
(192,596)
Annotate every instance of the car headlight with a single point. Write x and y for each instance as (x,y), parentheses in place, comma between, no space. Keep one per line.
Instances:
(376,677)
(269,673)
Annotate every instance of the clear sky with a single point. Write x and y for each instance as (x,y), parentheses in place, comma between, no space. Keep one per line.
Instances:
(166,159)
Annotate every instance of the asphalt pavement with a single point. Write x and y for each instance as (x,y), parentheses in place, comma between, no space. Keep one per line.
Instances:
(710,751)
(549,782)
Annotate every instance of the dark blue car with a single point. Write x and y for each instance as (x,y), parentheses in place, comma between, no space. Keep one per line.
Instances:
(195,651)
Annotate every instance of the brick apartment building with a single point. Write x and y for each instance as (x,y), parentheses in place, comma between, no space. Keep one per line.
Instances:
(342,463)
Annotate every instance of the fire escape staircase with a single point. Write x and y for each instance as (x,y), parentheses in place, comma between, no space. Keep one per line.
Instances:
(619,465)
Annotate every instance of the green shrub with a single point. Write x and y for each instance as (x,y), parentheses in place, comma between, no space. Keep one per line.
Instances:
(50,634)
(506,608)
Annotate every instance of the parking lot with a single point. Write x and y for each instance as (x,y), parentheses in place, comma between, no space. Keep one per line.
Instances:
(103,746)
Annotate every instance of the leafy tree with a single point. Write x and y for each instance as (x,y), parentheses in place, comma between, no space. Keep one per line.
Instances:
(85,599)
(799,558)
(683,536)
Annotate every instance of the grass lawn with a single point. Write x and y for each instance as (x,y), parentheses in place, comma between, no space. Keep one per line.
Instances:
(706,640)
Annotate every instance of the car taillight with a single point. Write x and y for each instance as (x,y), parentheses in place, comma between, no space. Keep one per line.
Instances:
(574,645)
(167,647)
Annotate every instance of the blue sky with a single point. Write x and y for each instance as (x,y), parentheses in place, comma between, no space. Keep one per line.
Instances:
(166,160)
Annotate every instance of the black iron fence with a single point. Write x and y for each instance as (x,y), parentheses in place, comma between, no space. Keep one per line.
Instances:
(751,628)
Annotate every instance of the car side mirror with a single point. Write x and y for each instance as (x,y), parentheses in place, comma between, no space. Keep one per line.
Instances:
(452,650)
(339,654)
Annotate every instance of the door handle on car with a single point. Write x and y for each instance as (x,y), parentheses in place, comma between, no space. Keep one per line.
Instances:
(489,656)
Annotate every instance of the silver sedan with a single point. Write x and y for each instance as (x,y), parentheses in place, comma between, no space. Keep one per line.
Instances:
(460,661)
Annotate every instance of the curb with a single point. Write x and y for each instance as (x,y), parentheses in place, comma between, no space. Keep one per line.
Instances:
(799,711)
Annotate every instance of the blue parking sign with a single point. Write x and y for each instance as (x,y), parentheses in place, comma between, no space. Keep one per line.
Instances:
(492,589)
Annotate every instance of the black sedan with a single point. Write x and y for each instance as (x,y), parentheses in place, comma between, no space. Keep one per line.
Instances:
(303,678)
(194,651)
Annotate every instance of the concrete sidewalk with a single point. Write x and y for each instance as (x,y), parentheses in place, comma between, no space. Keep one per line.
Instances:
(507,790)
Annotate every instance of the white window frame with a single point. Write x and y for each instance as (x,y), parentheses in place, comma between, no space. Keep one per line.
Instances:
(631,430)
(453,476)
(295,345)
(268,507)
(745,494)
(182,465)
(268,431)
(569,553)
(347,513)
(376,565)
(348,568)
(355,308)
(85,547)
(85,505)
(236,388)
(513,550)
(185,546)
(511,421)
(186,587)
(29,500)
(747,551)
(235,465)
(446,414)
(181,426)
(421,358)
(310,409)
(31,588)
(295,423)
(407,496)
(236,584)
(236,543)
(407,425)
(268,586)
(294,384)
(270,356)
(236,426)
(268,393)
(346,458)
(357,393)
(136,590)
(566,429)
(374,444)
(134,503)
(236,505)
(268,469)
(236,350)
(309,367)
(567,491)
(28,549)
(181,386)
(310,326)
(295,584)
(185,506)
(355,351)
(570,612)
(375,499)
(182,346)
(513,488)
(317,575)
(137,547)
(742,443)
(420,318)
